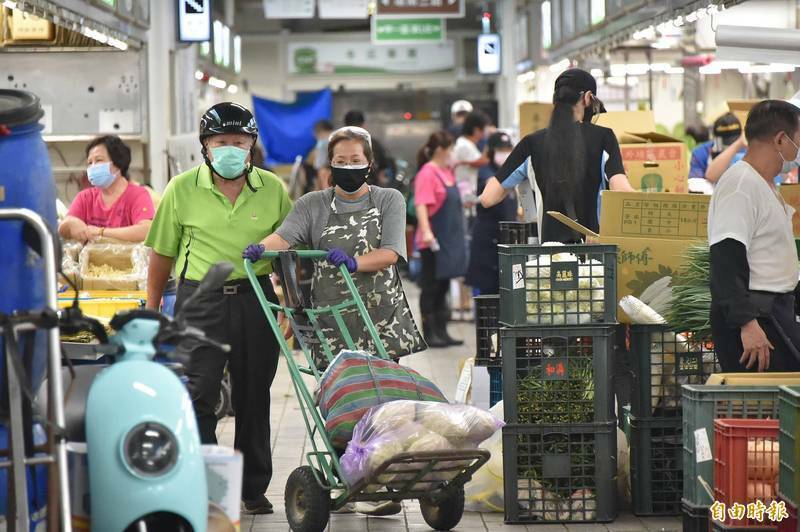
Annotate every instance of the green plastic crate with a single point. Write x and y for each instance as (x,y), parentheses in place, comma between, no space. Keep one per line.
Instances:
(789,414)
(558,374)
(701,406)
(661,362)
(560,473)
(656,466)
(558,285)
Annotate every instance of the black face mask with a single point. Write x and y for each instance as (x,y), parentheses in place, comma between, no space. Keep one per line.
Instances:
(349,179)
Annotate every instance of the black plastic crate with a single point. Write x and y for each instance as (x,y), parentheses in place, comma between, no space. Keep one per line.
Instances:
(495,385)
(695,518)
(656,466)
(560,473)
(662,362)
(558,285)
(487,330)
(558,374)
(518,232)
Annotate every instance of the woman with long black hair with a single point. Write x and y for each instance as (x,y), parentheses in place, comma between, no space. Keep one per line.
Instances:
(566,162)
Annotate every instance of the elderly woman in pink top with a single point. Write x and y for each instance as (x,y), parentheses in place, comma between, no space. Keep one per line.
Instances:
(112,206)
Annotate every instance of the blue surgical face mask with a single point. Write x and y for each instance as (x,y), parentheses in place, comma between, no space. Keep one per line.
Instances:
(100,175)
(788,166)
(229,161)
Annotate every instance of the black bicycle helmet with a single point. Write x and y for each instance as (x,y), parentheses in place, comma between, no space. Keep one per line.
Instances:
(227,117)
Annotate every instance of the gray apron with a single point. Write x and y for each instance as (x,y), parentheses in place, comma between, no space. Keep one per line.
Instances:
(448,227)
(358,233)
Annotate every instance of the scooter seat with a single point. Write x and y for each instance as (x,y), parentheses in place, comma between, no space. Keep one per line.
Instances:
(76,392)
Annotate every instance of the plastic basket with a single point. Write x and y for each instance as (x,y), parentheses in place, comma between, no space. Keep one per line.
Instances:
(104,307)
(694,518)
(518,233)
(558,285)
(701,406)
(487,330)
(661,362)
(495,386)
(789,414)
(745,451)
(559,473)
(558,374)
(656,466)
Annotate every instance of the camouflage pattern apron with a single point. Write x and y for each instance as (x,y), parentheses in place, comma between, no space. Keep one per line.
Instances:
(357,234)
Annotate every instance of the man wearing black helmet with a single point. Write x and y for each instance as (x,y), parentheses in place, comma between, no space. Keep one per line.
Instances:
(207,215)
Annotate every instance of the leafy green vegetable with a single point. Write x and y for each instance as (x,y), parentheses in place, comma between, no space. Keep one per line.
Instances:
(691,295)
(566,400)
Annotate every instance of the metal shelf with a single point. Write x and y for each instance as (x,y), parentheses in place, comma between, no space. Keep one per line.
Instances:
(87,138)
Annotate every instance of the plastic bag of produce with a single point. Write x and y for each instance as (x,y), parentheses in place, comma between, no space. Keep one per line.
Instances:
(356,381)
(484,492)
(388,430)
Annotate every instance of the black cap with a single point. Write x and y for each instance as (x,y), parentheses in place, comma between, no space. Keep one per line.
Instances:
(18,108)
(728,128)
(499,140)
(571,83)
(227,117)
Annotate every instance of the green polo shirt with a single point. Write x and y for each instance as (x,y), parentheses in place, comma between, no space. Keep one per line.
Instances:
(196,224)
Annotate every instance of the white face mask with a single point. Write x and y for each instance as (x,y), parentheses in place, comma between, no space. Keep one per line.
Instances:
(500,157)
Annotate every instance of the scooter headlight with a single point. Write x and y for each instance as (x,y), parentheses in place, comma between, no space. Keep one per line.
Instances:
(150,449)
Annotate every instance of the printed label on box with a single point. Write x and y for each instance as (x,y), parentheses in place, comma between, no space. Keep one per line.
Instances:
(702,447)
(564,275)
(518,277)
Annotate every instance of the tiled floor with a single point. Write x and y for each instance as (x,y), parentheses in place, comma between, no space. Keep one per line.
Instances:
(289,445)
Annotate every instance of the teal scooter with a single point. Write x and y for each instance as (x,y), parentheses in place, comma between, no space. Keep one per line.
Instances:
(146,470)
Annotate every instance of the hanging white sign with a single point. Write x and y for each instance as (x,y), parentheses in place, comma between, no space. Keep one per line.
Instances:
(343,9)
(288,8)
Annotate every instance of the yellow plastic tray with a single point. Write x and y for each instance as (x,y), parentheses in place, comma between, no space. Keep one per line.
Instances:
(105,303)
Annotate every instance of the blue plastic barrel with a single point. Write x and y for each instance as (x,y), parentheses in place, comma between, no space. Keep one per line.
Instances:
(26,181)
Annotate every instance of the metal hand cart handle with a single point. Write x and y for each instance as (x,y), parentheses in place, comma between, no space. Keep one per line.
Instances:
(12,325)
(413,475)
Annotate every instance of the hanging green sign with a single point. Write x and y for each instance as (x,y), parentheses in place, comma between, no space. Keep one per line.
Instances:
(407,30)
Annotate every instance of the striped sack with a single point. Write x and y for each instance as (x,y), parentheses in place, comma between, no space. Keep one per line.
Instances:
(357,381)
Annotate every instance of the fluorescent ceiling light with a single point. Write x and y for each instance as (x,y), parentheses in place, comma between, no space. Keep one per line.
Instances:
(561,65)
(216,82)
(767,69)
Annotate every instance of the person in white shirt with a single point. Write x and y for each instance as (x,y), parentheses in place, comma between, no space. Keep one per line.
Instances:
(754,266)
(467,158)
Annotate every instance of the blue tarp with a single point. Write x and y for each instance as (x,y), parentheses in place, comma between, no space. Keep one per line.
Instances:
(287,129)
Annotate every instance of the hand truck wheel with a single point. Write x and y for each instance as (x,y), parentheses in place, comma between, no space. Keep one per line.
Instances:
(308,505)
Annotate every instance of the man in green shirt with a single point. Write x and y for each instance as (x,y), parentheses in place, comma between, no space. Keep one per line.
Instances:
(208,215)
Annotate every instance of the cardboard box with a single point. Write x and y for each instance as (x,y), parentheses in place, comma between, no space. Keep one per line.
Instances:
(653,162)
(27,27)
(224,469)
(651,231)
(534,116)
(754,379)
(741,108)
(791,195)
(127,261)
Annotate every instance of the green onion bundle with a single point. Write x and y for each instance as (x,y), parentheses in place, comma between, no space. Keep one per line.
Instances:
(691,295)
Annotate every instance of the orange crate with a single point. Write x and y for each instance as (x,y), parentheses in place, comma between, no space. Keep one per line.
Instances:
(746,458)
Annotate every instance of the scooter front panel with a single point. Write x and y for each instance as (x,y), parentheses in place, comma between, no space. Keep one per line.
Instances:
(144,447)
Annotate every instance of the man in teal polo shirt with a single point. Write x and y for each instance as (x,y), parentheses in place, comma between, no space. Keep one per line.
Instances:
(208,215)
